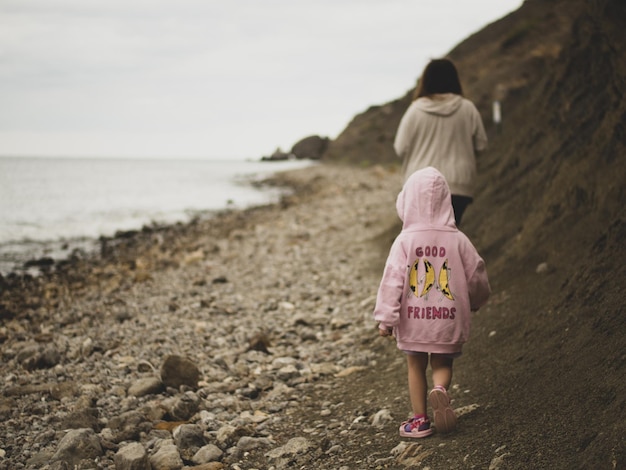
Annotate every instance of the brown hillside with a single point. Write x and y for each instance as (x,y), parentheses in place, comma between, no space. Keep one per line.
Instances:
(505,60)
(552,190)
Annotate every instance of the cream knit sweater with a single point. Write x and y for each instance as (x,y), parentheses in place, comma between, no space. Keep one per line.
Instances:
(443,131)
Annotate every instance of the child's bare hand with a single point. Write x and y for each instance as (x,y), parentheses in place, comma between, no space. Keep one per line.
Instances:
(385,332)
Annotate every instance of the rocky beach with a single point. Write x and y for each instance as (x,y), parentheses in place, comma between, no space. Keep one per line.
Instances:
(247,342)
(216,345)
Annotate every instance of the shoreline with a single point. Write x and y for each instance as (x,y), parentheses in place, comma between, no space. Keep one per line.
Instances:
(270,305)
(31,257)
(24,251)
(86,256)
(133,257)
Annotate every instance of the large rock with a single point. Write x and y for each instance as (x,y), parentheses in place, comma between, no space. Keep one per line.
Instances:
(206,454)
(312,147)
(132,457)
(278,155)
(189,439)
(145,386)
(178,370)
(76,445)
(281,457)
(128,426)
(166,457)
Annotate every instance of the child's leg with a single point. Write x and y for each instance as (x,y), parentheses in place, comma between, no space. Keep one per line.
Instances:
(443,414)
(442,370)
(417,363)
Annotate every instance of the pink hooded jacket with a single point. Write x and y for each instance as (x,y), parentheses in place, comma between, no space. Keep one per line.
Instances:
(434,277)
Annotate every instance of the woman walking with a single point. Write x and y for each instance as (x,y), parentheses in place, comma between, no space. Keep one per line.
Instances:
(444,130)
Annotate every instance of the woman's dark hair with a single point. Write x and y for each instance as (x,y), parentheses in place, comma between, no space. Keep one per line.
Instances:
(439,76)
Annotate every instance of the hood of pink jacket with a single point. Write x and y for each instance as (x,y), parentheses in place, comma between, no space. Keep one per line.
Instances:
(425,201)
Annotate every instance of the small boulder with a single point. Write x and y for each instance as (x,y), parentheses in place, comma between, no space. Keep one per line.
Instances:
(132,457)
(77,445)
(178,370)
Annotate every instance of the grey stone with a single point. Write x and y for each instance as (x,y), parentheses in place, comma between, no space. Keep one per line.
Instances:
(76,445)
(207,453)
(132,457)
(166,457)
(146,386)
(295,446)
(179,370)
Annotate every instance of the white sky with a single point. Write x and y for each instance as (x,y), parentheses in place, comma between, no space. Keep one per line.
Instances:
(209,78)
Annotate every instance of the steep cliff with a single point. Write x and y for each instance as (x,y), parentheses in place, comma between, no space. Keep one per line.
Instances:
(549,219)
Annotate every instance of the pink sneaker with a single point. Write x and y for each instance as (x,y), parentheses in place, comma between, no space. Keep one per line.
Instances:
(416,427)
(443,414)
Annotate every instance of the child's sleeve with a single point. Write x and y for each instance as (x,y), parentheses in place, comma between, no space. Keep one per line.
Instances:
(478,285)
(387,309)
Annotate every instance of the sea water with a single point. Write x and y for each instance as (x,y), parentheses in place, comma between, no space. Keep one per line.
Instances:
(51,205)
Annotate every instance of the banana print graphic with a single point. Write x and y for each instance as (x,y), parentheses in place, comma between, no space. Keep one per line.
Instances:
(430,278)
(413,277)
(444,275)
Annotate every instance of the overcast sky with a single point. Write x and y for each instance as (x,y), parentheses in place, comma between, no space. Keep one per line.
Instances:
(208,78)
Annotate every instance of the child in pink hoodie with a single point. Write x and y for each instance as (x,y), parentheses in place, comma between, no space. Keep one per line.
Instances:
(433,279)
